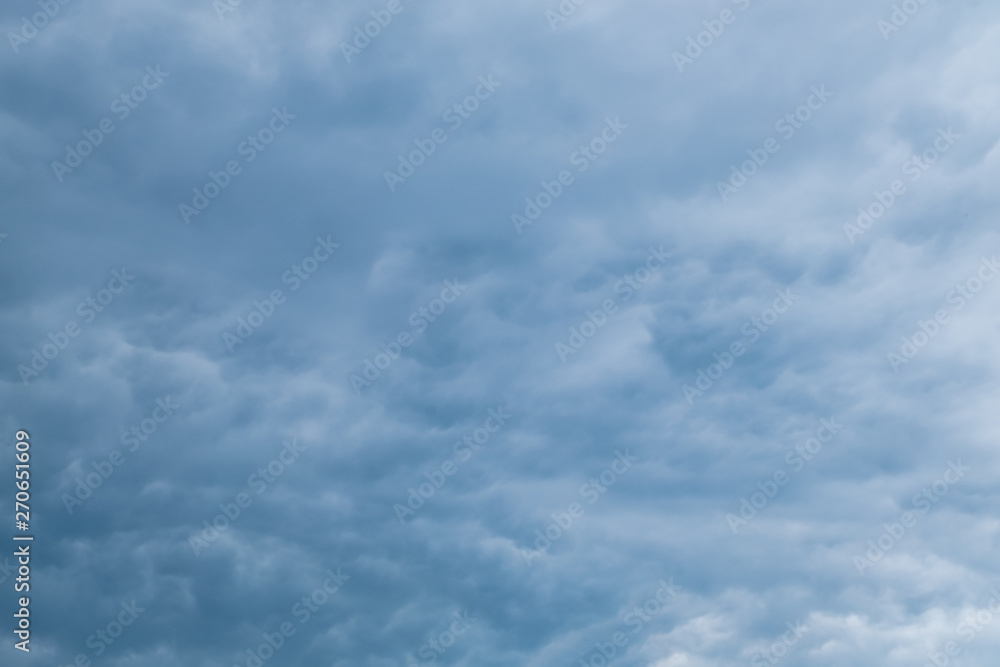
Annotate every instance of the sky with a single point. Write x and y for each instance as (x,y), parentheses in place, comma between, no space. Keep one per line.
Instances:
(510,334)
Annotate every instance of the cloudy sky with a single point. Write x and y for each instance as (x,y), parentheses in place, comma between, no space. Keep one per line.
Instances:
(392,333)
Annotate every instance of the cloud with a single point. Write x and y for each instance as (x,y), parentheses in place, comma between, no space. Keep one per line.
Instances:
(495,346)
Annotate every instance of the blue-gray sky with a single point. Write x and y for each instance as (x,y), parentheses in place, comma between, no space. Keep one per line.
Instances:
(655,334)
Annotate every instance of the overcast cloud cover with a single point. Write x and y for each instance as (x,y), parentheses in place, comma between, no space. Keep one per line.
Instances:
(719,405)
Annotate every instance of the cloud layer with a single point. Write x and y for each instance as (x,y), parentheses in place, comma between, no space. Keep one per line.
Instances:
(506,334)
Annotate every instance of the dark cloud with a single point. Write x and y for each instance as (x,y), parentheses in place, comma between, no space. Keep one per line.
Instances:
(141,532)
